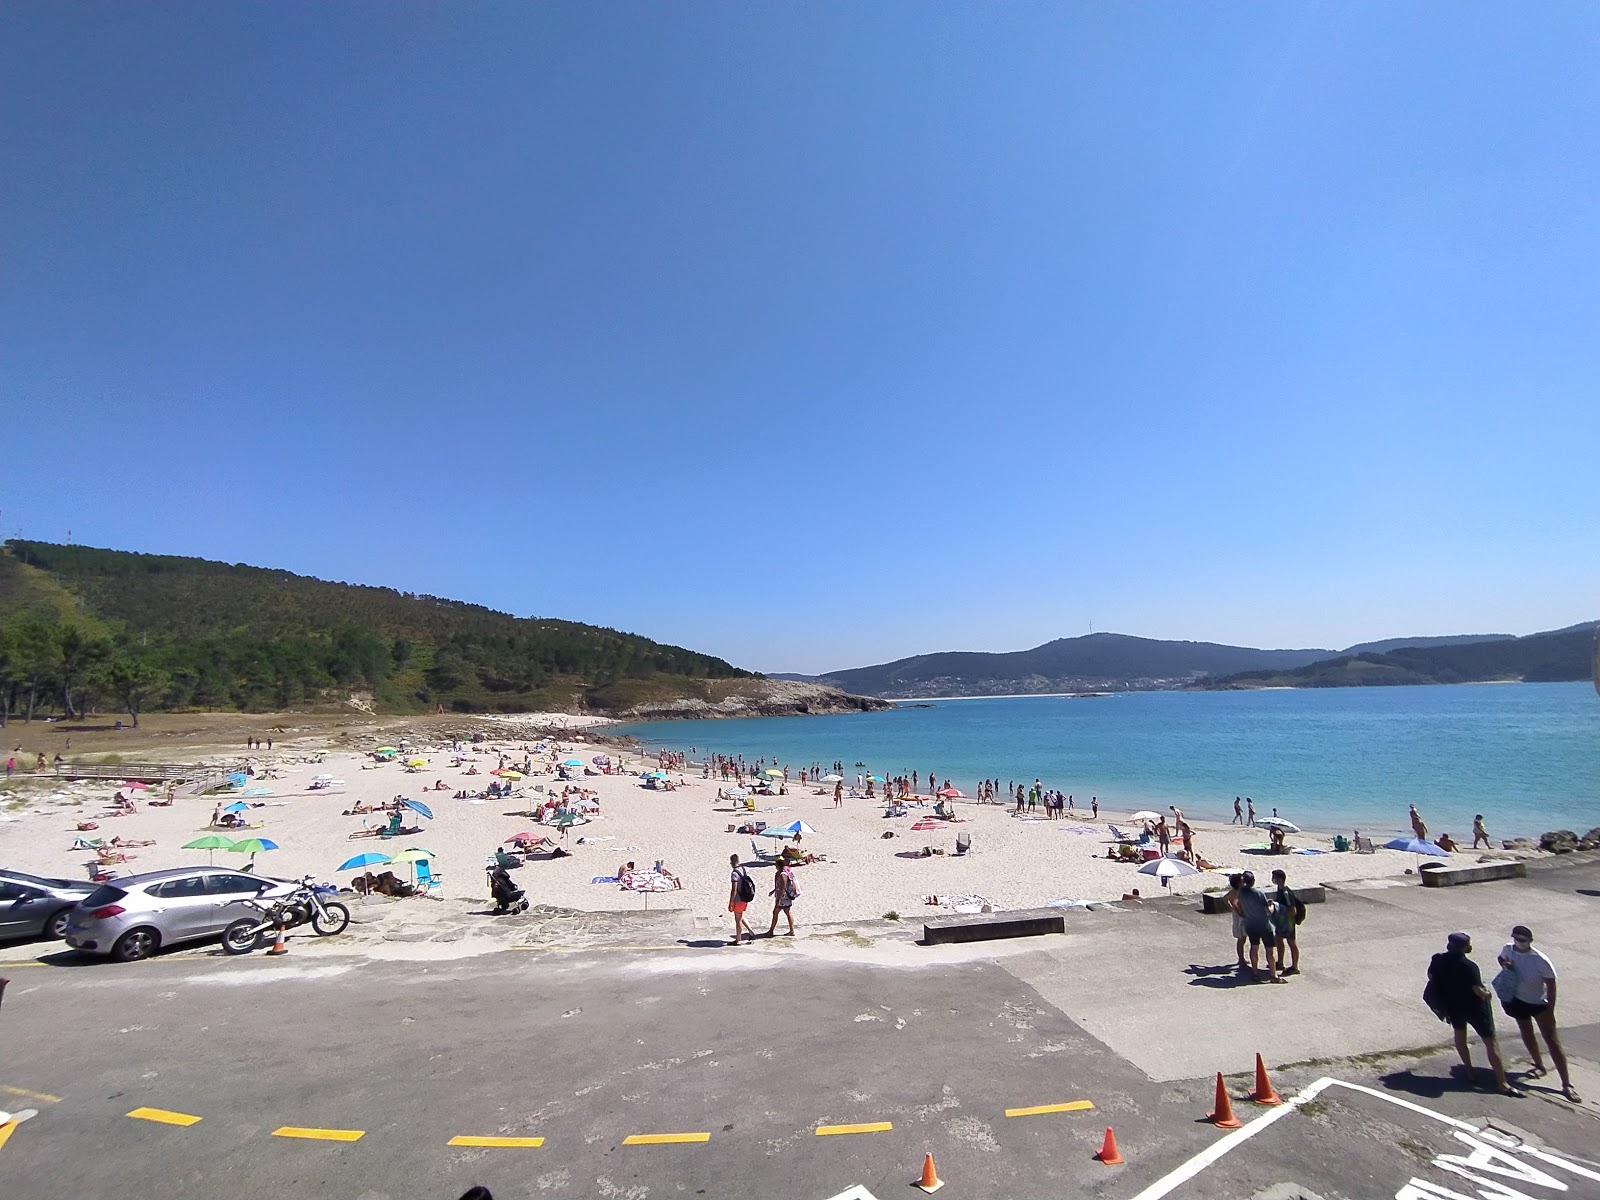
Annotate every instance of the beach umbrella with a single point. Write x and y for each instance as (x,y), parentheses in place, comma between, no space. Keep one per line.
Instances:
(796,827)
(587,806)
(417,806)
(773,773)
(411,855)
(369,859)
(571,818)
(833,779)
(211,843)
(1416,846)
(416,762)
(1277,823)
(1168,869)
(572,762)
(252,846)
(386,750)
(238,778)
(1144,814)
(510,774)
(952,793)
(874,779)
(135,785)
(237,806)
(258,791)
(777,833)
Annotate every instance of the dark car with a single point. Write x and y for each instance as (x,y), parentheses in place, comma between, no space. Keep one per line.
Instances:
(34,905)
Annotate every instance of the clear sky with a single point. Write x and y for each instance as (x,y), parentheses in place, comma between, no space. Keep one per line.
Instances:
(814,335)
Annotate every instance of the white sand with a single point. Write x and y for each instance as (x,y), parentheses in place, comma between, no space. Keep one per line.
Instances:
(1015,863)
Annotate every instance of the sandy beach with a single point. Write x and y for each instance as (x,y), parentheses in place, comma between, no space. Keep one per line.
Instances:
(1014,862)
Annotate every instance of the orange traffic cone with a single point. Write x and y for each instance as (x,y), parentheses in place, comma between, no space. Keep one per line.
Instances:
(930,1181)
(1264,1093)
(1108,1150)
(281,946)
(1223,1117)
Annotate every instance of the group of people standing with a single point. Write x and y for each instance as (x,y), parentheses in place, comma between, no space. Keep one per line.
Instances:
(1267,921)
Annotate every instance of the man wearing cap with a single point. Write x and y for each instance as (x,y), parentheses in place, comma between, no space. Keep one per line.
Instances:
(1456,994)
(1534,1003)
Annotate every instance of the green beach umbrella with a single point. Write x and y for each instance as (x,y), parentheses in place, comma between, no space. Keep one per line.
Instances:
(211,842)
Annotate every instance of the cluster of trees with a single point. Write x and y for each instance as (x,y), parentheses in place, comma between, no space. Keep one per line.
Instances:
(81,628)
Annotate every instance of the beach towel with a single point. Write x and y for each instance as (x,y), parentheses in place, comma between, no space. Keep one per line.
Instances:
(648,881)
(605,879)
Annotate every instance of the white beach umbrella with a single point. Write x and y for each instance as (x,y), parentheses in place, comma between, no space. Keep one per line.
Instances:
(1277,823)
(1144,814)
(1167,869)
(833,779)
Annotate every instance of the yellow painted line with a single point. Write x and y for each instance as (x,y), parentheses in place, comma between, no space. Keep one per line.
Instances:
(869,1127)
(1040,1109)
(664,1139)
(163,1116)
(499,1143)
(27,1095)
(320,1135)
(6,1131)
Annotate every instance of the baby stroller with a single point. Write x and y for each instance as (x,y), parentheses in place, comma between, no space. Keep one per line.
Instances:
(508,897)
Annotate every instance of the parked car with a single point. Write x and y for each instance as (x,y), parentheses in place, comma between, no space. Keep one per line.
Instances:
(35,905)
(133,917)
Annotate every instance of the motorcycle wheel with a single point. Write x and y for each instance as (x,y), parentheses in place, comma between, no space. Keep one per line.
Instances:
(241,937)
(338,917)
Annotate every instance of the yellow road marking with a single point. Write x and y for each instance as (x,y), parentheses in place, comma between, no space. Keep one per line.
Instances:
(1041,1109)
(6,1131)
(163,1116)
(869,1127)
(27,1095)
(320,1135)
(505,1143)
(664,1139)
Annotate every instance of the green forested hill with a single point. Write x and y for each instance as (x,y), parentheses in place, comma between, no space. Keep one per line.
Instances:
(1559,655)
(84,627)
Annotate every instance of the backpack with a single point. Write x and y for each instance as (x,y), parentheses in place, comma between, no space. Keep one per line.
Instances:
(1299,906)
(790,890)
(747,887)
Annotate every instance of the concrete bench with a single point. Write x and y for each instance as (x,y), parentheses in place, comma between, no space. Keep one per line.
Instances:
(983,927)
(1211,902)
(1481,873)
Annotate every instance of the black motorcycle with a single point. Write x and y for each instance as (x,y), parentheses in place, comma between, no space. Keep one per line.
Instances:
(305,905)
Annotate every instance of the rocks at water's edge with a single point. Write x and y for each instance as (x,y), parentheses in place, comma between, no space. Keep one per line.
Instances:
(1564,841)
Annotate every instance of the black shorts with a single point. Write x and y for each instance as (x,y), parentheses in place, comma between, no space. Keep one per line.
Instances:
(1261,937)
(1286,935)
(1520,1010)
(1482,1021)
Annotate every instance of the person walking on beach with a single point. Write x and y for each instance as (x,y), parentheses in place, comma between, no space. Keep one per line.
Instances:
(1250,810)
(1417,825)
(1533,1003)
(784,894)
(1094,807)
(1285,915)
(741,890)
(1238,812)
(838,794)
(1258,931)
(1456,994)
(1479,833)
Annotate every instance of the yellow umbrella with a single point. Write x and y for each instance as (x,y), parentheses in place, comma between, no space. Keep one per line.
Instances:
(510,774)
(416,762)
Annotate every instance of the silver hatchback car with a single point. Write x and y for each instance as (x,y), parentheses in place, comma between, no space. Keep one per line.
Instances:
(37,905)
(133,917)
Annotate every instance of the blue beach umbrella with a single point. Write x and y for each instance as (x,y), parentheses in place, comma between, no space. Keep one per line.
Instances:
(360,861)
(417,806)
(237,806)
(1415,846)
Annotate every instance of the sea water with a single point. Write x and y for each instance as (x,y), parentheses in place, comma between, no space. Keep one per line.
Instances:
(1526,756)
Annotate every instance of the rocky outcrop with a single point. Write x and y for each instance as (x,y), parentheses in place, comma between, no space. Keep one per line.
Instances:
(1564,841)
(759,698)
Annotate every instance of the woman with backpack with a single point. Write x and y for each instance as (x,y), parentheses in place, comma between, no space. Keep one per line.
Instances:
(784,893)
(1287,914)
(741,890)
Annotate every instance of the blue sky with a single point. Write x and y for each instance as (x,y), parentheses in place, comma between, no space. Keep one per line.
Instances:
(814,335)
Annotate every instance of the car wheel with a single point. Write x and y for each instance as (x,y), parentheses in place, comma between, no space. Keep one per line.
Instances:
(136,944)
(56,926)
(241,937)
(338,919)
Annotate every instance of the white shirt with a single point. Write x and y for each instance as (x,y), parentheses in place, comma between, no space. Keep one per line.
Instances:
(1531,968)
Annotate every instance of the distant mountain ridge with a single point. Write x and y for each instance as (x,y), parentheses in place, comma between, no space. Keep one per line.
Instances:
(1093,662)
(1557,655)
(1118,662)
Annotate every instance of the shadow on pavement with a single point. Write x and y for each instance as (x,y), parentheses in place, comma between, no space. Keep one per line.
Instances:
(1429,1087)
(702,943)
(1221,976)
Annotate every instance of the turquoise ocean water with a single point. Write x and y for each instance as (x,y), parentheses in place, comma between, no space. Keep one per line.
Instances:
(1527,756)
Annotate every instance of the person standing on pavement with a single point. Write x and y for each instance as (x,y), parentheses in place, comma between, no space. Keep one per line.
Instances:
(741,890)
(1534,1004)
(1257,911)
(784,893)
(1286,909)
(1231,899)
(1456,994)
